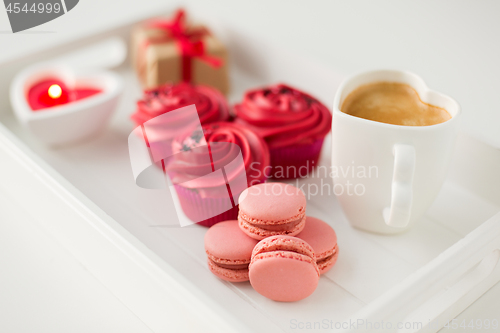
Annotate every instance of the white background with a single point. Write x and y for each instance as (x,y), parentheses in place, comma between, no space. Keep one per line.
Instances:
(453,45)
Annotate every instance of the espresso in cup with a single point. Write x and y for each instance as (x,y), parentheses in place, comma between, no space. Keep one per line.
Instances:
(410,156)
(392,103)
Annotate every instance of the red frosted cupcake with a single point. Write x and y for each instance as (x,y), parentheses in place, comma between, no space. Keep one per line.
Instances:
(210,104)
(293,124)
(209,177)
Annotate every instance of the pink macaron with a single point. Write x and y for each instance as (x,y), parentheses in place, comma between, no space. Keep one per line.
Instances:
(229,251)
(283,268)
(272,209)
(323,239)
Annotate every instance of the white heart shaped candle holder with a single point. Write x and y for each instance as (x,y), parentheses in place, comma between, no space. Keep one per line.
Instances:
(79,119)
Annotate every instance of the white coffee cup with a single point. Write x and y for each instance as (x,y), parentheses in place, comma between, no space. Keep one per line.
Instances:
(393,172)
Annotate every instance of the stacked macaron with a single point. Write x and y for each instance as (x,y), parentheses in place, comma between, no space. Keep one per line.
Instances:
(229,251)
(283,268)
(323,240)
(273,244)
(271,209)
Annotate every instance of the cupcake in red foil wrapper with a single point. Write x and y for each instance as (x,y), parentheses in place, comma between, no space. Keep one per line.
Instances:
(210,104)
(293,123)
(209,170)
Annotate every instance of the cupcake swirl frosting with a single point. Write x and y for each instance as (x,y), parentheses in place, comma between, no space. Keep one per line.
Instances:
(210,103)
(284,116)
(194,159)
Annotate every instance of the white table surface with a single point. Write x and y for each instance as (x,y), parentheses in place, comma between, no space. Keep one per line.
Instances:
(453,45)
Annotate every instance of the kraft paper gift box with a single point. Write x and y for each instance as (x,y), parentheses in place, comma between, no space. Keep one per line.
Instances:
(170,51)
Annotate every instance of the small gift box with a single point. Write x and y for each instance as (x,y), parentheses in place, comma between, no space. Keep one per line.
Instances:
(173,51)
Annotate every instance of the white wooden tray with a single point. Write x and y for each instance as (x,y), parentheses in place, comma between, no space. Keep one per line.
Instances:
(129,238)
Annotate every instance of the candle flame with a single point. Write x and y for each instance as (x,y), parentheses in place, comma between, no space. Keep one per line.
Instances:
(55,91)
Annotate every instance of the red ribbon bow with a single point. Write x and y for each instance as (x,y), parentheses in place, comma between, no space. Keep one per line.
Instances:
(190,42)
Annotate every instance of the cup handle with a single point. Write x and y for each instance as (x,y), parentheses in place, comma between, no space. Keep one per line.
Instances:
(398,214)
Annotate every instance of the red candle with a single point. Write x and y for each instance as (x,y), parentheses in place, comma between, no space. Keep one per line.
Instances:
(53,92)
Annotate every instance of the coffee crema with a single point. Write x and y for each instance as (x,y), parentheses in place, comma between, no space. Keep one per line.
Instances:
(392,103)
